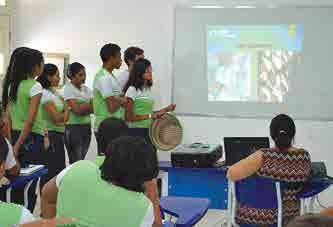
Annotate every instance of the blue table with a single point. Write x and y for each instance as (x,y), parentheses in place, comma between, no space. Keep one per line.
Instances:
(210,183)
(187,210)
(310,190)
(23,181)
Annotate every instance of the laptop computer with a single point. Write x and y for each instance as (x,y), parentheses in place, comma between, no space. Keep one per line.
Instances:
(238,148)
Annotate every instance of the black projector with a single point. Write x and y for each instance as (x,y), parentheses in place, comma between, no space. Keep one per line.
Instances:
(196,155)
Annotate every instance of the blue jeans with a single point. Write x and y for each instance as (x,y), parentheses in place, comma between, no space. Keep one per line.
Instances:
(31,152)
(77,141)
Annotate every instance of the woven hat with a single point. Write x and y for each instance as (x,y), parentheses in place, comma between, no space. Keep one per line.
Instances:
(166,132)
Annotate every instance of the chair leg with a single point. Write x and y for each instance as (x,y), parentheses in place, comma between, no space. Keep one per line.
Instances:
(311,204)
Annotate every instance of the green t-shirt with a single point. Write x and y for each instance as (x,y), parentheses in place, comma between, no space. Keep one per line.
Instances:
(20,108)
(105,85)
(81,95)
(85,196)
(10,214)
(143,104)
(55,98)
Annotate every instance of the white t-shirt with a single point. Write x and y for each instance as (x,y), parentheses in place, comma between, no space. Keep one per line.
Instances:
(108,86)
(147,221)
(72,92)
(48,96)
(123,78)
(10,160)
(36,89)
(134,93)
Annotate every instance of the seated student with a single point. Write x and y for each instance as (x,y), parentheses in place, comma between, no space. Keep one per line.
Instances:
(11,166)
(111,129)
(111,195)
(312,221)
(283,162)
(10,213)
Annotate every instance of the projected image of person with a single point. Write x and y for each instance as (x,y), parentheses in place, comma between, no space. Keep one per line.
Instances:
(233,77)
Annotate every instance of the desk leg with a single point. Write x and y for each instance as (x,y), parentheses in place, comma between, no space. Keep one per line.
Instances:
(26,189)
(165,183)
(8,195)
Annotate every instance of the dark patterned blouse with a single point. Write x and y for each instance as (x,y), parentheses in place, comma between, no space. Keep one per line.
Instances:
(292,167)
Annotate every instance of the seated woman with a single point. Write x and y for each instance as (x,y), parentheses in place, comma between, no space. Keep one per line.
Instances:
(10,213)
(111,195)
(284,162)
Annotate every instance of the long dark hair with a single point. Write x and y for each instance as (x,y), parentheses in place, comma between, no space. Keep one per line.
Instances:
(130,163)
(49,70)
(282,130)
(136,75)
(7,79)
(21,69)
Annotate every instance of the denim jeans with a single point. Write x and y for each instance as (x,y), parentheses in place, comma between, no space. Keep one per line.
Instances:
(77,141)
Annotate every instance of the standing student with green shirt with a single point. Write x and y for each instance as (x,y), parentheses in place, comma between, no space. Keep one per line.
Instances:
(78,128)
(140,107)
(55,114)
(108,98)
(139,115)
(131,54)
(21,97)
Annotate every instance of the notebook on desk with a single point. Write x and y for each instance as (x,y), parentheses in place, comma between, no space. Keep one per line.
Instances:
(31,169)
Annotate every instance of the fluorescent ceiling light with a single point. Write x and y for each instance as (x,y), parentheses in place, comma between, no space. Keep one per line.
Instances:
(244,7)
(207,7)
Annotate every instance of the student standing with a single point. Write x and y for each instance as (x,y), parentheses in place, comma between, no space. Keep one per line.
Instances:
(131,54)
(139,115)
(21,97)
(108,97)
(79,99)
(55,115)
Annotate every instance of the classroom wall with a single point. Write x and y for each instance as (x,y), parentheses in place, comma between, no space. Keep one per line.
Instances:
(80,28)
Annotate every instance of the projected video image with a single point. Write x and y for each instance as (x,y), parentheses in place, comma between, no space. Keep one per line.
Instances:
(252,63)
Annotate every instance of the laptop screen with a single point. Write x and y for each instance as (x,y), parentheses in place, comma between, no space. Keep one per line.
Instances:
(238,148)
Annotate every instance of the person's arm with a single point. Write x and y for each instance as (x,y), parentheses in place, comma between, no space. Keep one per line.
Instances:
(169,108)
(106,87)
(152,194)
(32,113)
(130,116)
(80,109)
(12,164)
(49,199)
(6,130)
(245,167)
(57,118)
(114,103)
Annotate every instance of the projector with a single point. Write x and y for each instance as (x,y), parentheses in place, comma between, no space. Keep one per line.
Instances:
(196,155)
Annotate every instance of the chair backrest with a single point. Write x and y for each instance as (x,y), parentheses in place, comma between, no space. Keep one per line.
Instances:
(257,192)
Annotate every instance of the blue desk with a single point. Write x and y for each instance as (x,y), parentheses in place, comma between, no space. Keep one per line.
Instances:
(310,191)
(210,183)
(187,210)
(23,181)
